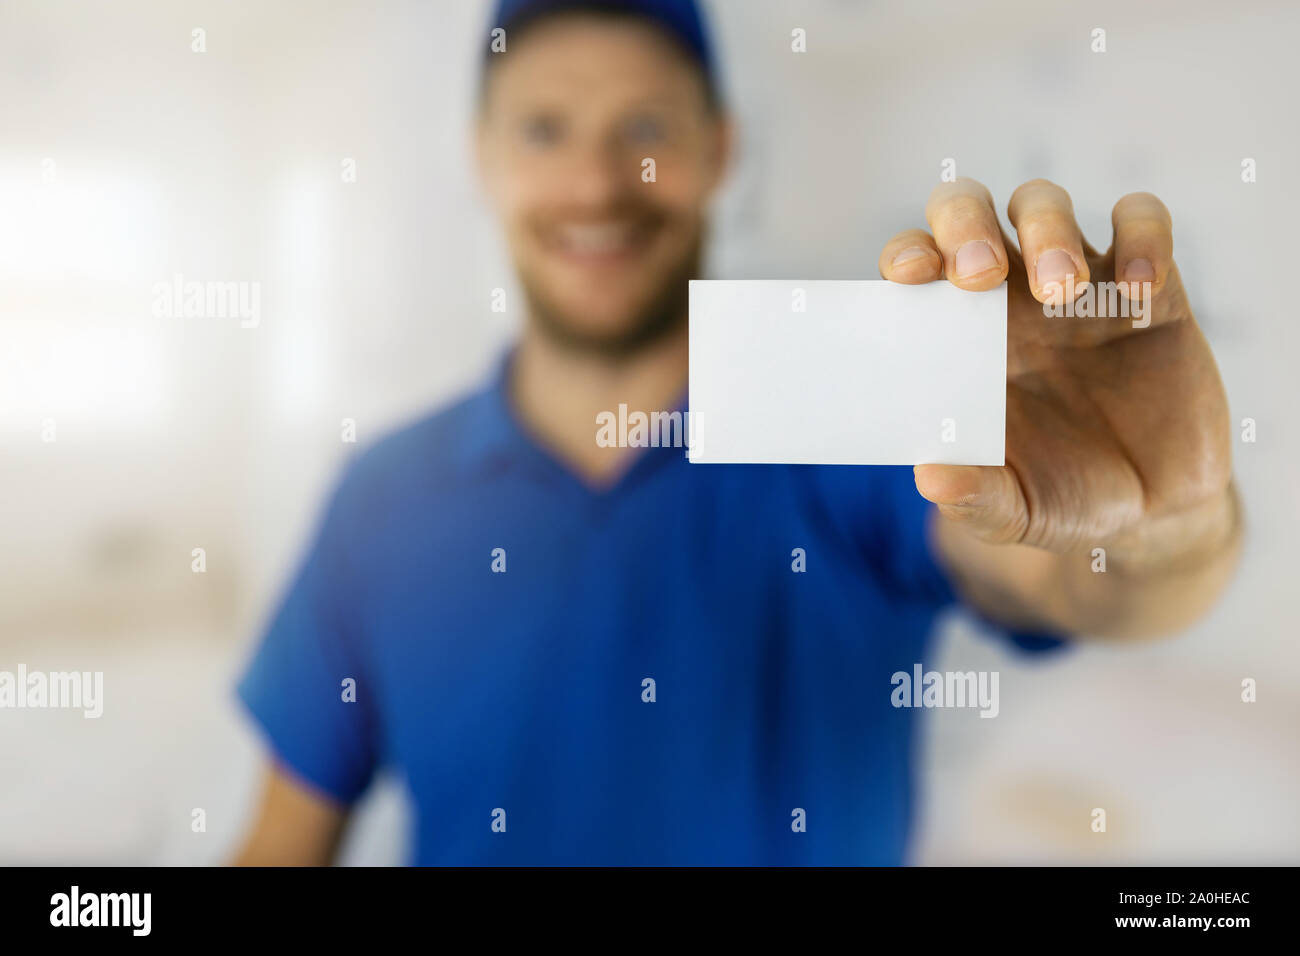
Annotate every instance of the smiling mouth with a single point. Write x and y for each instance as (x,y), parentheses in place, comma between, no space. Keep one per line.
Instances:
(600,243)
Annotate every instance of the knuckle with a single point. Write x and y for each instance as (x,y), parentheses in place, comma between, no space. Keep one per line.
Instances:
(963,210)
(1143,206)
(912,237)
(1038,197)
(939,193)
(1042,221)
(974,185)
(963,188)
(1037,186)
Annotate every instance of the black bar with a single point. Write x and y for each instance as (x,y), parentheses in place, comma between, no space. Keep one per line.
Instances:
(368,905)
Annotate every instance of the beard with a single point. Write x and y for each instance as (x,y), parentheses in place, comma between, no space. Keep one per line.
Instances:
(664,313)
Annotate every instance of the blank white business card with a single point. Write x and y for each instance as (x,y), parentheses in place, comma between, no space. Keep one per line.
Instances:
(846,373)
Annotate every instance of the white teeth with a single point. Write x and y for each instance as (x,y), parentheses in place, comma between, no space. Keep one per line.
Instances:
(589,239)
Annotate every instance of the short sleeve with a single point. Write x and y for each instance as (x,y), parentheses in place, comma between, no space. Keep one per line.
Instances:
(891,517)
(294,685)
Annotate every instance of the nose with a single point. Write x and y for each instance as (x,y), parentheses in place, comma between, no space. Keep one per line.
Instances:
(600,174)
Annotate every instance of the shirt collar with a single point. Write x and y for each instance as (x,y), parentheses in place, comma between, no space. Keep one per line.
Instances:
(495,438)
(492,435)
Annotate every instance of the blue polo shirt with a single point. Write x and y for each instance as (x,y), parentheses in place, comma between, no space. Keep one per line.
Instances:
(635,675)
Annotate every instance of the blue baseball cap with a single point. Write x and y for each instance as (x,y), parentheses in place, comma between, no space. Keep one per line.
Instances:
(682,20)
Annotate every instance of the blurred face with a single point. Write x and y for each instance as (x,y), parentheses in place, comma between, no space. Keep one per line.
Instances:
(571,111)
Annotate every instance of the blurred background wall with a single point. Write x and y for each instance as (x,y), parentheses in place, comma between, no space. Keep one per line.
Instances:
(127,158)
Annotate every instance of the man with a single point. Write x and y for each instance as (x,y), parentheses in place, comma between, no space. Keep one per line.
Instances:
(577,654)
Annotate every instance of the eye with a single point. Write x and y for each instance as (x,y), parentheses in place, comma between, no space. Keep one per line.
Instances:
(542,130)
(645,129)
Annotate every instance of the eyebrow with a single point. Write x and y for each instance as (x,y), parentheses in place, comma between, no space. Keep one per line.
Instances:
(541,101)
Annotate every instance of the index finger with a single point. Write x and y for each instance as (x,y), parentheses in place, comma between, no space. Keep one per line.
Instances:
(965,227)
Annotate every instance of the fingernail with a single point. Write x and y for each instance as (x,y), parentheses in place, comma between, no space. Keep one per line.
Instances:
(1052,267)
(975,257)
(907,255)
(1139,270)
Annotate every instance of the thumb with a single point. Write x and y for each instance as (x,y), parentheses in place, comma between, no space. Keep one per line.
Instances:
(986,499)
